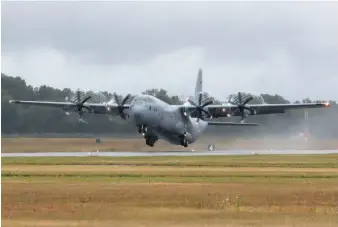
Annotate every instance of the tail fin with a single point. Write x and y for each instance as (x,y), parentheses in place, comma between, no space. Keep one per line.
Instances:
(199,84)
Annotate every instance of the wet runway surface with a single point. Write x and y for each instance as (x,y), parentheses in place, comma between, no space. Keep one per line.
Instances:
(166,153)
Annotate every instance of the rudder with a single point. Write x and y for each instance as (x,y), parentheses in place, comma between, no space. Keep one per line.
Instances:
(199,84)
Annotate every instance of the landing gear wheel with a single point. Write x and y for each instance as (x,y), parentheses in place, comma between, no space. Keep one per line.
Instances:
(142,129)
(150,140)
(184,141)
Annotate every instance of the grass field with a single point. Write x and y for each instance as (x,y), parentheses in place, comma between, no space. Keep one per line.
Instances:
(11,145)
(263,190)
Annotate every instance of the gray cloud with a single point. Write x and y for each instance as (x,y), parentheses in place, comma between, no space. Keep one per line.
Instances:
(285,48)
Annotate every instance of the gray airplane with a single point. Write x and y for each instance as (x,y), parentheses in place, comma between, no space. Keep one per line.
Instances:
(177,124)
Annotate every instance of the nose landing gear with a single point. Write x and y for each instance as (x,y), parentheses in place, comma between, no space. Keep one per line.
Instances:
(142,129)
(184,141)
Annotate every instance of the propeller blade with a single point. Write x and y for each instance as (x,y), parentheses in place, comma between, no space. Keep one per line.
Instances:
(207,113)
(241,105)
(192,102)
(76,99)
(235,111)
(240,98)
(199,115)
(251,110)
(200,99)
(116,99)
(242,115)
(121,104)
(207,103)
(125,99)
(86,99)
(248,100)
(199,107)
(87,108)
(78,94)
(233,103)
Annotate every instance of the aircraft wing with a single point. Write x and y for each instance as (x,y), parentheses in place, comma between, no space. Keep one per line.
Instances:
(93,108)
(259,109)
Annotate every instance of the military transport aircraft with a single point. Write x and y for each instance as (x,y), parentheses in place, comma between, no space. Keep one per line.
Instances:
(177,124)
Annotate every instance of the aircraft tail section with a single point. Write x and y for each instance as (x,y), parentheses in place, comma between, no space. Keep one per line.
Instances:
(199,84)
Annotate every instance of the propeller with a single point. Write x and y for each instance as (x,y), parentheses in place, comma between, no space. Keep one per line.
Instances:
(200,106)
(241,105)
(76,99)
(120,105)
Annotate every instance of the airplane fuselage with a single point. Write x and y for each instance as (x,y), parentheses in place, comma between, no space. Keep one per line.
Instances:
(157,119)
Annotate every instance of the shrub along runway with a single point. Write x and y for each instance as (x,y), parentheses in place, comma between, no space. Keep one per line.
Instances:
(240,190)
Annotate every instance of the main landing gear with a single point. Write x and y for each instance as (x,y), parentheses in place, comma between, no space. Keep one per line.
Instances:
(184,141)
(150,140)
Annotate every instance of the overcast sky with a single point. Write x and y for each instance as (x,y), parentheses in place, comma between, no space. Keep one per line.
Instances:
(286,48)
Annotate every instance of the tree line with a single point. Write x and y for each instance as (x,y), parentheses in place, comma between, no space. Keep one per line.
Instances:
(33,119)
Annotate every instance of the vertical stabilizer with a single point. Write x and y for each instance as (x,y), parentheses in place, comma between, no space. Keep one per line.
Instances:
(199,84)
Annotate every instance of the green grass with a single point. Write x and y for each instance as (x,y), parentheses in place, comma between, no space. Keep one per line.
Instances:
(290,161)
(162,179)
(170,191)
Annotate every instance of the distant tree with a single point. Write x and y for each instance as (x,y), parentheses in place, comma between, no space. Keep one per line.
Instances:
(307,100)
(274,99)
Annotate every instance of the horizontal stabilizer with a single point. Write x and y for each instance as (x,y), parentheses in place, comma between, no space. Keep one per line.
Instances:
(232,123)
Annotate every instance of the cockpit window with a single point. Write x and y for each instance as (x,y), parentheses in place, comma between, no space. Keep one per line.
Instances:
(144,99)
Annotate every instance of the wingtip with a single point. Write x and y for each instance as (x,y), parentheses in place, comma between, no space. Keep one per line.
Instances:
(326,104)
(13,101)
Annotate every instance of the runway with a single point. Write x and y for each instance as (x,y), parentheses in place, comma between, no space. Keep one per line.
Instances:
(166,153)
